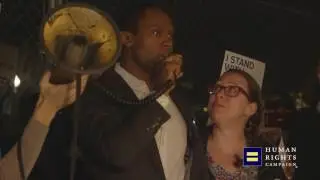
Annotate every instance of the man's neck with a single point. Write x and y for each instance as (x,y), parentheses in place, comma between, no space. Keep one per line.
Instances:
(135,70)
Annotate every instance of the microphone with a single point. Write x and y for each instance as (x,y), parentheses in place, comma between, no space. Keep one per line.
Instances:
(177,76)
(164,56)
(170,51)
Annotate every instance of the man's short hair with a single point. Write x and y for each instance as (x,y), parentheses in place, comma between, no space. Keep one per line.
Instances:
(129,18)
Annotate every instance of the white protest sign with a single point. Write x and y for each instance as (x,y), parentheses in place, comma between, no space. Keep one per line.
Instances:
(237,61)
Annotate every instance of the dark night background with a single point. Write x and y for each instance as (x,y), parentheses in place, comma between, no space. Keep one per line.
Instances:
(284,34)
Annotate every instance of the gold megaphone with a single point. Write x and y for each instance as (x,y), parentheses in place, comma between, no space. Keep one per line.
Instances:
(79,38)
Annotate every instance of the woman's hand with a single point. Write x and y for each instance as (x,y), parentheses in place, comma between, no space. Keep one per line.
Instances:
(59,96)
(55,97)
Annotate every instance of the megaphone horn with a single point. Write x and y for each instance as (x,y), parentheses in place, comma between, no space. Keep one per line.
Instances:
(80,39)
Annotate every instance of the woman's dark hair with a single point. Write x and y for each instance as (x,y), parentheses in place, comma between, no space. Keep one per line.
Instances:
(251,130)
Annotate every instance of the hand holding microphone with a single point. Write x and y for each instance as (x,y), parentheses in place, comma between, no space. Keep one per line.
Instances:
(168,69)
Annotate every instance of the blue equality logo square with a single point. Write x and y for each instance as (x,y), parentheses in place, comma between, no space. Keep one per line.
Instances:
(252,156)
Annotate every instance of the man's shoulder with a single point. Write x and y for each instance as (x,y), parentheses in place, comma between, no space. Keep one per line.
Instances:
(95,96)
(98,83)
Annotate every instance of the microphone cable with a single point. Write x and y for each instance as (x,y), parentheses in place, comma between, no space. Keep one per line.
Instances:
(148,100)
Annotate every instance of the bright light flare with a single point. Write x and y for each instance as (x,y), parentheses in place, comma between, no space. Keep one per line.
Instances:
(16,81)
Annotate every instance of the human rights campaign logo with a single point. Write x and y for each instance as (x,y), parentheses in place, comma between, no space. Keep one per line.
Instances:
(252,156)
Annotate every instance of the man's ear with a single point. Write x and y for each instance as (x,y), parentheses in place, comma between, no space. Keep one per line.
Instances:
(127,38)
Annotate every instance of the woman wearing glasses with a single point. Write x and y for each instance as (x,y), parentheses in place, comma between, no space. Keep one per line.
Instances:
(235,110)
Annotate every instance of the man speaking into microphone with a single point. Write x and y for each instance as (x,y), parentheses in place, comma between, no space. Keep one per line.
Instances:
(154,141)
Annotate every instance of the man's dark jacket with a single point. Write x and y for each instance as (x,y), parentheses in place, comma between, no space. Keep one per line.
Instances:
(116,141)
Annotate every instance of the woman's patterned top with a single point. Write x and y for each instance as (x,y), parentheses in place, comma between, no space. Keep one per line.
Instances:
(245,173)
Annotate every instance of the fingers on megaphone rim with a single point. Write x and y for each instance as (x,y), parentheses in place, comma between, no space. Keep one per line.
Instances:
(72,86)
(46,77)
(84,79)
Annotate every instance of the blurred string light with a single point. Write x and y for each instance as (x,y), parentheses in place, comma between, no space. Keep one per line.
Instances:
(16,81)
(205,109)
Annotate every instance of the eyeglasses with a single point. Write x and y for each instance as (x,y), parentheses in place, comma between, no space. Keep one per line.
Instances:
(230,91)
